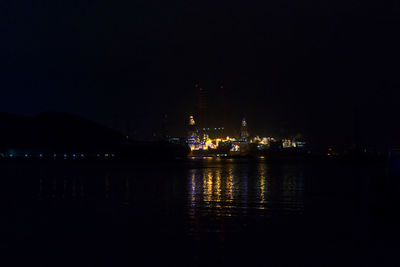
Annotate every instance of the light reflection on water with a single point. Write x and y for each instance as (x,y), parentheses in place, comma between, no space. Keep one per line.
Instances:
(201,207)
(238,189)
(213,189)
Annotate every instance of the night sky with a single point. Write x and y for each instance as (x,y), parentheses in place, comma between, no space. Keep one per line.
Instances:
(294,66)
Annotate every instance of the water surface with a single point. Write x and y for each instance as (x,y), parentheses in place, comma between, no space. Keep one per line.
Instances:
(209,212)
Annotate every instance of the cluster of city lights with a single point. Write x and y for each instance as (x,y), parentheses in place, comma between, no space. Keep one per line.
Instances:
(202,141)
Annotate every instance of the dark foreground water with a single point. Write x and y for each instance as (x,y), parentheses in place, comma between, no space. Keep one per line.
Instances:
(198,213)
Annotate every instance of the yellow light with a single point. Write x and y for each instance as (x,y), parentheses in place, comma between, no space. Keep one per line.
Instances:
(217,190)
(262,184)
(191,121)
(229,186)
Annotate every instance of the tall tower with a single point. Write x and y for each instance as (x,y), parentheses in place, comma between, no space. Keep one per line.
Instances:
(193,137)
(203,107)
(244,134)
(223,104)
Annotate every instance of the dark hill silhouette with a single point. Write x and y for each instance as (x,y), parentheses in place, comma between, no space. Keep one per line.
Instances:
(55,131)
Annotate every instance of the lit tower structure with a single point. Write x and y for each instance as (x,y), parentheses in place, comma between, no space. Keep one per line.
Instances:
(193,136)
(244,134)
(223,102)
(203,107)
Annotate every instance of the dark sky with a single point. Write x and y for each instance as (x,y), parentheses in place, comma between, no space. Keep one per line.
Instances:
(297,65)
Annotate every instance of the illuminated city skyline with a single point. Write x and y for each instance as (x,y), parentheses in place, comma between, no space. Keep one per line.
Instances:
(207,139)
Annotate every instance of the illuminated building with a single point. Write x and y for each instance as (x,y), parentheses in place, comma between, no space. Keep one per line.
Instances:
(235,148)
(210,141)
(193,136)
(244,134)
(286,143)
(300,143)
(191,121)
